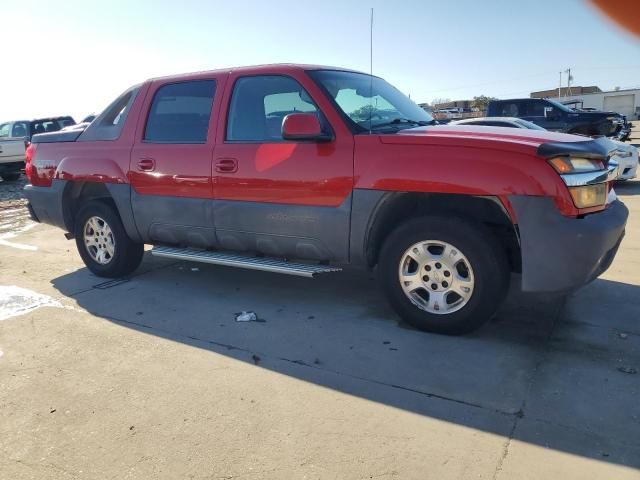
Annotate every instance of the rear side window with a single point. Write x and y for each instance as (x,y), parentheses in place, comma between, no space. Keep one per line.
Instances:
(510,109)
(109,124)
(180,113)
(4,129)
(260,103)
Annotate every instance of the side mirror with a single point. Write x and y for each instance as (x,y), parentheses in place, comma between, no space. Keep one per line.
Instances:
(303,126)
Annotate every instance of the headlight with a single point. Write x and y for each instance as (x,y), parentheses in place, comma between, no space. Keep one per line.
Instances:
(564,165)
(589,195)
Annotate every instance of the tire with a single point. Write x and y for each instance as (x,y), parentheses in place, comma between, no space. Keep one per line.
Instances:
(107,252)
(10,177)
(453,256)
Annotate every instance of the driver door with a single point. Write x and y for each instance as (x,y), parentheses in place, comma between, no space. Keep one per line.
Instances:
(282,198)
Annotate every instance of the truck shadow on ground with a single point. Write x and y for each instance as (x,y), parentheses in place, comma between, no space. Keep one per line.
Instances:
(543,371)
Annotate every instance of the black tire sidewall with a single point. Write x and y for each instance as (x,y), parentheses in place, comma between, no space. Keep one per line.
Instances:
(488,262)
(119,264)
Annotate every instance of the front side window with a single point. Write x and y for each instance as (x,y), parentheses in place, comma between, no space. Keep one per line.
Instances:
(536,109)
(370,103)
(260,103)
(180,113)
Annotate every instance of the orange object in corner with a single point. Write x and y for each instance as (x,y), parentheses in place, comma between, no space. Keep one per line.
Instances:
(625,13)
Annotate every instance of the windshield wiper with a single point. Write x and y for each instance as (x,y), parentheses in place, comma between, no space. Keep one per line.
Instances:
(401,121)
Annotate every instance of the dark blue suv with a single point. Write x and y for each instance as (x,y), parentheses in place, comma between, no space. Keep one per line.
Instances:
(554,116)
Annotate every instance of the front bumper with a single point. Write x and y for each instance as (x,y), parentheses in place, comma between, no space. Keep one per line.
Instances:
(559,253)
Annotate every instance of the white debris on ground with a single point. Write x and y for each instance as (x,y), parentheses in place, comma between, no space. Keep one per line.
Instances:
(16,301)
(246,317)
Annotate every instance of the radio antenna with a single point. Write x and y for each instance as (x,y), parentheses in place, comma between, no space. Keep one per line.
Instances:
(370,70)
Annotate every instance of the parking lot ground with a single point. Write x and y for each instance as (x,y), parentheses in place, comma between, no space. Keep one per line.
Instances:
(152,377)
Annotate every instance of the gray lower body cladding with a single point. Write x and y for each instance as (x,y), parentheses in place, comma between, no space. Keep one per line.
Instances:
(46,203)
(283,230)
(561,253)
(275,229)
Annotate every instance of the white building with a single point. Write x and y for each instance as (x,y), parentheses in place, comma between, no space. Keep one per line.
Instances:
(626,102)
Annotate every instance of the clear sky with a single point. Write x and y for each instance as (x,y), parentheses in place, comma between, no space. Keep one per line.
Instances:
(74,57)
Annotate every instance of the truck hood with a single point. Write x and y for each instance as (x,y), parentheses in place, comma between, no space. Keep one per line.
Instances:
(543,142)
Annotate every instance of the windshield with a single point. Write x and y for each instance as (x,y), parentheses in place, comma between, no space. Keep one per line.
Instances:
(370,103)
(560,106)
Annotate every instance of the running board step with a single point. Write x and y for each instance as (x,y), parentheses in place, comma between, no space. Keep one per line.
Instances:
(252,263)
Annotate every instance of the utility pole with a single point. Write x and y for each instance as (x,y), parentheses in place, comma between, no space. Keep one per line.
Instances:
(560,85)
(569,78)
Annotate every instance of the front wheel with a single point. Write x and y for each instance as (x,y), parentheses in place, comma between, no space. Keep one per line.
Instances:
(443,275)
(103,243)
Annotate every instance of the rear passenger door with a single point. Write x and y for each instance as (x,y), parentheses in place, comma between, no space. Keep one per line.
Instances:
(170,169)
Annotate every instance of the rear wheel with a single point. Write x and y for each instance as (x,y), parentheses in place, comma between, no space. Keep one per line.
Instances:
(103,243)
(443,275)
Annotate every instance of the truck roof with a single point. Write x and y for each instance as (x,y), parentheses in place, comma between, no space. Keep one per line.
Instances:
(265,68)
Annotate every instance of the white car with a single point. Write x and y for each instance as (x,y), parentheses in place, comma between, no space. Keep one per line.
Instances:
(449,113)
(12,146)
(626,156)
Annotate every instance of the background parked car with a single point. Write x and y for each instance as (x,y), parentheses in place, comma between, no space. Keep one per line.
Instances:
(15,137)
(511,122)
(555,116)
(448,114)
(626,155)
(12,148)
(27,128)
(623,127)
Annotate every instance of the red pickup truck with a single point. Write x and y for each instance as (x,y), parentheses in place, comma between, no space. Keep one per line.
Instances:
(303,169)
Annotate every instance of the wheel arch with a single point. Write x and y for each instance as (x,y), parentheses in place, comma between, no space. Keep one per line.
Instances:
(118,196)
(395,208)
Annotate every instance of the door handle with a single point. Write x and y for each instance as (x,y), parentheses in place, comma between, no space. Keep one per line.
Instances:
(146,164)
(227,165)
